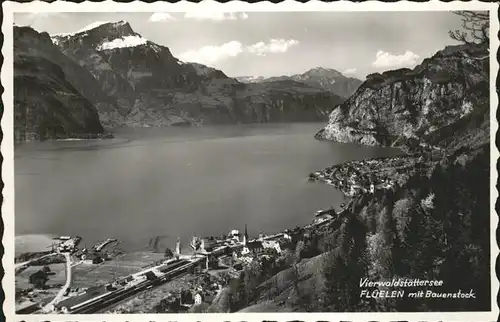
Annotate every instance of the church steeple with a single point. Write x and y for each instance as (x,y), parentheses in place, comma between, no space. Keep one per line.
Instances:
(178,247)
(245,236)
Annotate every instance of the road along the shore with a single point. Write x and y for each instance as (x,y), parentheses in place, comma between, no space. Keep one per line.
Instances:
(50,306)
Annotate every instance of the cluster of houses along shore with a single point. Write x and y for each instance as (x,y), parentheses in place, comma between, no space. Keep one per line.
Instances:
(206,254)
(351,180)
(238,245)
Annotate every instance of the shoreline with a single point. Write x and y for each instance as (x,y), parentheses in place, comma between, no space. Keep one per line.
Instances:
(342,176)
(80,137)
(346,196)
(34,242)
(354,178)
(361,174)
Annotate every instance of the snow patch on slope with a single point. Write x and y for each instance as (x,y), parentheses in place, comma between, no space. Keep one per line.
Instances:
(127,41)
(250,79)
(89,27)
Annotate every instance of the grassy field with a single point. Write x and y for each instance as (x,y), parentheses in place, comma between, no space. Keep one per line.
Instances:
(87,275)
(22,279)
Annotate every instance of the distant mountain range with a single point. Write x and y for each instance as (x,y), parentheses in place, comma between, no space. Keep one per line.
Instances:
(325,78)
(126,80)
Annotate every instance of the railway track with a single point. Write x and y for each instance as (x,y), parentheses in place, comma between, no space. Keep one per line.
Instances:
(112,298)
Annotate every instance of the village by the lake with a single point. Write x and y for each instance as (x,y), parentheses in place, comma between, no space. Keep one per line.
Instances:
(72,279)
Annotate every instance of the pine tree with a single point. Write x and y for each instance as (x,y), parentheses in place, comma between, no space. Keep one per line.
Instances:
(344,266)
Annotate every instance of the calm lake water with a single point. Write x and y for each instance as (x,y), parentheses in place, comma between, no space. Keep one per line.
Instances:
(177,182)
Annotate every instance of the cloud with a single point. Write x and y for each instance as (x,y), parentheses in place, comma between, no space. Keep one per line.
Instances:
(216,16)
(389,60)
(161,16)
(37,18)
(212,54)
(274,46)
(34,15)
(349,71)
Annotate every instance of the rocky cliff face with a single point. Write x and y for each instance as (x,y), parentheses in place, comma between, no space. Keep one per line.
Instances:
(153,88)
(324,78)
(53,96)
(391,107)
(283,101)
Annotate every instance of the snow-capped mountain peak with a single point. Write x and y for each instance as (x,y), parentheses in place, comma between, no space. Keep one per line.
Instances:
(92,26)
(97,24)
(104,35)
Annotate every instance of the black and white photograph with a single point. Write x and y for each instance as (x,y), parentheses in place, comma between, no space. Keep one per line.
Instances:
(247,161)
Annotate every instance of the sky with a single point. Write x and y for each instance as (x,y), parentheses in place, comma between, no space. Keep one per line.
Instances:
(279,43)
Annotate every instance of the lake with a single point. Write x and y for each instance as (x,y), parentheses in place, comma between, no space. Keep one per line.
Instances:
(176,182)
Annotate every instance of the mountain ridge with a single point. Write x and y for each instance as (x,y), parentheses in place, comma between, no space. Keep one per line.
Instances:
(154,88)
(321,77)
(53,96)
